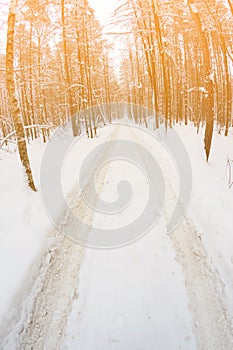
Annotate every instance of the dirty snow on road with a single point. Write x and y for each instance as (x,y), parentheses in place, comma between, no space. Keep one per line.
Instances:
(160,291)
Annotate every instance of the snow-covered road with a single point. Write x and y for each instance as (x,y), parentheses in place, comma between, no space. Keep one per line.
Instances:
(161,292)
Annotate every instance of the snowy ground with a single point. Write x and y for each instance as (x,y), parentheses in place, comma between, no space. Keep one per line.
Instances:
(161,292)
(24,228)
(211,207)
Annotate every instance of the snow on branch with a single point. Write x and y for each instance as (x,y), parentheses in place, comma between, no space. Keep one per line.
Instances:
(194,9)
(25,128)
(75,85)
(198,88)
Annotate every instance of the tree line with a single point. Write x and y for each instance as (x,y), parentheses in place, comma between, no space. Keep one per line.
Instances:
(56,64)
(61,65)
(177,61)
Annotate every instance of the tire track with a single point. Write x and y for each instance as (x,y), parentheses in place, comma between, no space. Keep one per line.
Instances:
(212,323)
(211,320)
(57,283)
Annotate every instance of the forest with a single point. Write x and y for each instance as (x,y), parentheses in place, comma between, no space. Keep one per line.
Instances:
(176,60)
(116,166)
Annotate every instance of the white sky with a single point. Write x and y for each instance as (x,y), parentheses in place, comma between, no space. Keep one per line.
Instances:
(4,5)
(104,9)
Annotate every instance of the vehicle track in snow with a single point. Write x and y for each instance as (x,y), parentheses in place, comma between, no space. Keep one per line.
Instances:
(211,320)
(57,285)
(212,323)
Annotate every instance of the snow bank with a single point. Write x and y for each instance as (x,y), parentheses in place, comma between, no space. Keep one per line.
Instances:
(26,231)
(24,227)
(211,206)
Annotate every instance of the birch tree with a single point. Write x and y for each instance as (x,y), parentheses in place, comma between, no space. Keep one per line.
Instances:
(15,112)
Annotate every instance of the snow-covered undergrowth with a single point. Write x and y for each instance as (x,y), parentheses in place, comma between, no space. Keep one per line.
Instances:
(211,206)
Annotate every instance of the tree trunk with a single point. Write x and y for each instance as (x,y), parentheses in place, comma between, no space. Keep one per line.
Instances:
(69,88)
(230,6)
(209,85)
(149,50)
(163,58)
(17,119)
(32,110)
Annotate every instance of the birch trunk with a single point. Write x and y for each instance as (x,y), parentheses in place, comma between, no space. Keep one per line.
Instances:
(17,119)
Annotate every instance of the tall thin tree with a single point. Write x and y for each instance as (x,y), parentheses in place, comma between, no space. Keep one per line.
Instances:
(69,88)
(17,119)
(209,86)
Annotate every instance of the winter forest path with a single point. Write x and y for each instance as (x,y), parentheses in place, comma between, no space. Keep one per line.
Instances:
(160,292)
